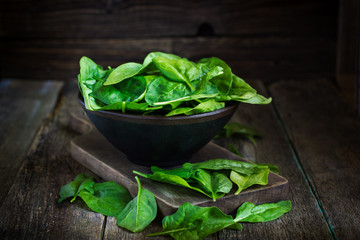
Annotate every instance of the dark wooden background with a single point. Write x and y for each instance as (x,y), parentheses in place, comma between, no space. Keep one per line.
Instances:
(264,39)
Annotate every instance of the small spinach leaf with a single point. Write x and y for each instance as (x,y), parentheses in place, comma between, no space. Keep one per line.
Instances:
(194,223)
(207,106)
(108,198)
(248,212)
(122,72)
(139,212)
(70,189)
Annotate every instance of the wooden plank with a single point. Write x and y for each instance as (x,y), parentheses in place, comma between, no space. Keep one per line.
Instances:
(269,58)
(305,221)
(30,210)
(23,107)
(347,49)
(326,135)
(124,19)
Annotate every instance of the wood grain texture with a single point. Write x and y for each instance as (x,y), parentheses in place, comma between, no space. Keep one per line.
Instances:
(30,209)
(265,57)
(23,107)
(161,18)
(273,147)
(326,135)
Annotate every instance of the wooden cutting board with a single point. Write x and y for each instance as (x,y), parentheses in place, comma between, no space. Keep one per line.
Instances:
(94,152)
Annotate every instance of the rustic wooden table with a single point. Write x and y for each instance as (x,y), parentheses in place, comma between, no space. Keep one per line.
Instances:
(308,131)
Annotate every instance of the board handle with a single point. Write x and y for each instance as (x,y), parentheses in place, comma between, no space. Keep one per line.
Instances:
(80,123)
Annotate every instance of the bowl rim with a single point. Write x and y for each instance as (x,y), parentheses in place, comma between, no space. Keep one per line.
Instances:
(163,120)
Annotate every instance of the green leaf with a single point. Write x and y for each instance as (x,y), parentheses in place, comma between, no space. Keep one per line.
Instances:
(122,72)
(222,164)
(248,212)
(216,184)
(89,79)
(70,189)
(181,70)
(207,106)
(240,90)
(222,81)
(129,90)
(108,198)
(162,91)
(242,174)
(183,173)
(172,179)
(194,223)
(149,58)
(139,212)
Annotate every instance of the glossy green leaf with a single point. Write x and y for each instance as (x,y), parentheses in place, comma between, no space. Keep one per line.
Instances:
(183,173)
(122,72)
(207,106)
(249,212)
(172,179)
(222,81)
(216,184)
(108,198)
(139,212)
(70,189)
(170,81)
(181,70)
(194,223)
(221,164)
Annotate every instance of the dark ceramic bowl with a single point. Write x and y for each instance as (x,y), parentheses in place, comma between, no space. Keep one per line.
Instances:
(158,140)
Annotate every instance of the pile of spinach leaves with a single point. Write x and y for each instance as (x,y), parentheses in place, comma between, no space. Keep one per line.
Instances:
(164,84)
(188,222)
(195,223)
(112,199)
(213,178)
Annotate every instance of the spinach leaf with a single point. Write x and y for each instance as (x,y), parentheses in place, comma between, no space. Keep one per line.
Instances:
(181,172)
(162,91)
(70,189)
(139,212)
(181,70)
(193,223)
(130,90)
(221,164)
(240,90)
(108,198)
(242,174)
(216,184)
(122,72)
(89,79)
(248,212)
(207,106)
(222,81)
(149,58)
(172,179)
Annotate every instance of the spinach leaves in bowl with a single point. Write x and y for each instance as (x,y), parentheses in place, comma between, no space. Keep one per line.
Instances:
(163,85)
